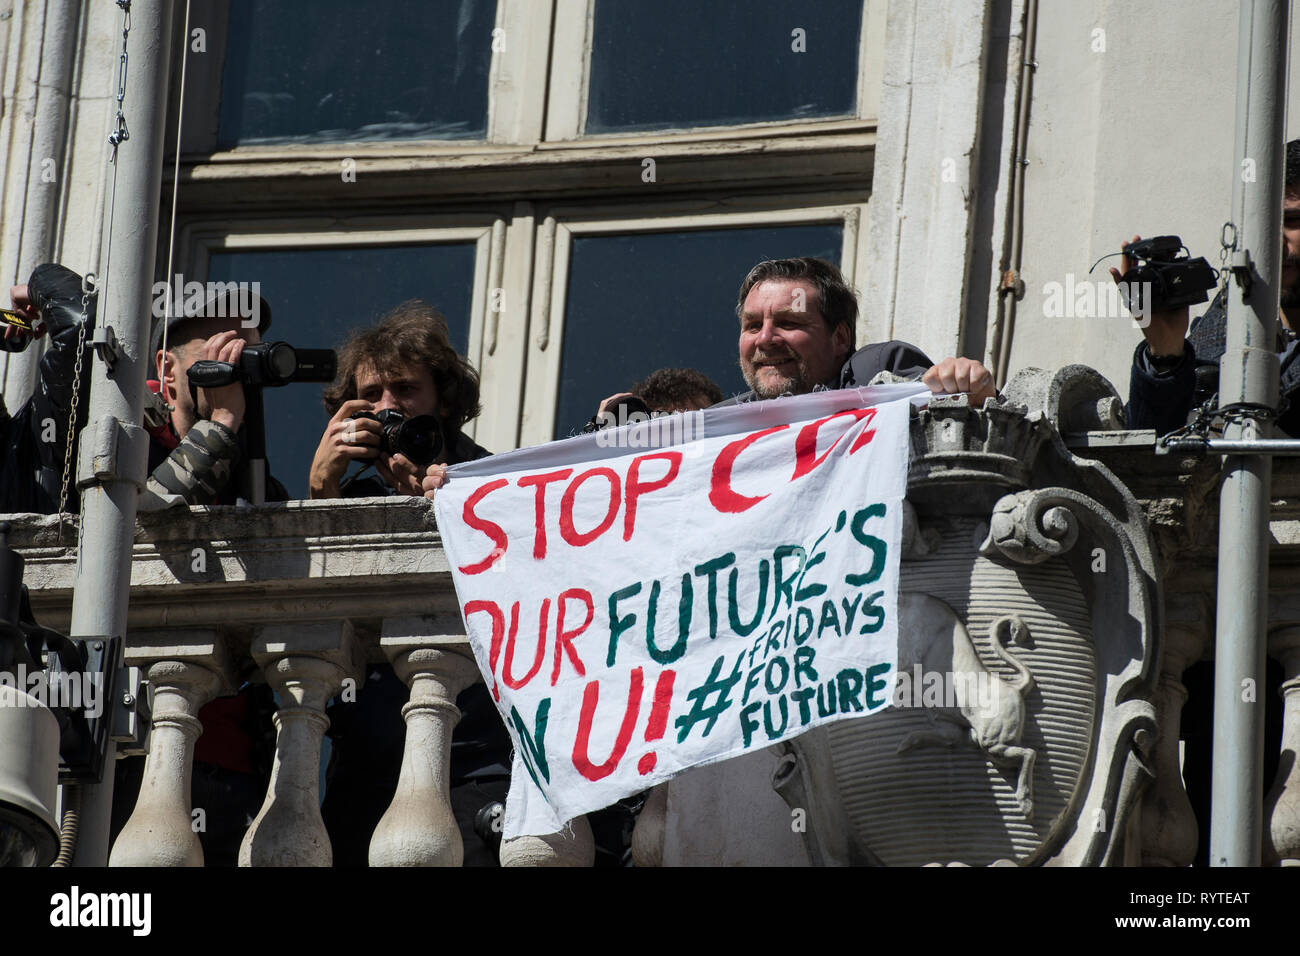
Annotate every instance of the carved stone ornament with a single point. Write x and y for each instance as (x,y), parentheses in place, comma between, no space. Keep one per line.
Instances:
(1024,718)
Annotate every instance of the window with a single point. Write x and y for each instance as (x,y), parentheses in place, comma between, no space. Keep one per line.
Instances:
(579,185)
(677,64)
(341,72)
(642,301)
(319,295)
(619,297)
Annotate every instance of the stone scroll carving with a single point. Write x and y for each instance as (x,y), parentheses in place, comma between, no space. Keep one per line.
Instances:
(1030,602)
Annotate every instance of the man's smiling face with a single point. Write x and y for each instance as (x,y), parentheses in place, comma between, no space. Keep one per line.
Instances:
(786,346)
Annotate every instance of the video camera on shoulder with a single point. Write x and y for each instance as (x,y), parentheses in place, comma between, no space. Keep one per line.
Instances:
(419,438)
(1172,281)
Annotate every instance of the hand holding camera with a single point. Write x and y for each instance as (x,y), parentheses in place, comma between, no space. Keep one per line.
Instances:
(404,449)
(408,448)
(22,323)
(346,439)
(1168,310)
(222,404)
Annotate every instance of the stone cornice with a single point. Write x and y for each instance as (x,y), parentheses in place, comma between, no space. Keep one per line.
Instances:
(361,560)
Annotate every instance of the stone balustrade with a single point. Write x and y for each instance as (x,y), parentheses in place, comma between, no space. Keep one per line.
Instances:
(306,593)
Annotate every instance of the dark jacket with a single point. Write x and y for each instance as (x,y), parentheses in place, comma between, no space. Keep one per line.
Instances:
(900,358)
(363,485)
(32,470)
(1163,398)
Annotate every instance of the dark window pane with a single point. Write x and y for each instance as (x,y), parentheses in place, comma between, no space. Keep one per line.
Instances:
(642,302)
(317,297)
(660,64)
(339,70)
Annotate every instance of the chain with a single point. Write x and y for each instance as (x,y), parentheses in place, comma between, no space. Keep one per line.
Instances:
(87,289)
(120,133)
(89,282)
(1227,245)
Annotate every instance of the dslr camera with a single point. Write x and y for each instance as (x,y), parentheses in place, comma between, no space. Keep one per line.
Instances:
(419,438)
(1173,280)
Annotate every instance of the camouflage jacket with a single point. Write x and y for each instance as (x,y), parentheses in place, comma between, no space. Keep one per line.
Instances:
(197,472)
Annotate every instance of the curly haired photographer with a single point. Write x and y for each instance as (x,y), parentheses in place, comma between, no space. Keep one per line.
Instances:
(404,370)
(398,402)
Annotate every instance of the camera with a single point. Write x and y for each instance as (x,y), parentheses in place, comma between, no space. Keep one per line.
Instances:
(627,410)
(15,318)
(419,438)
(267,364)
(1173,280)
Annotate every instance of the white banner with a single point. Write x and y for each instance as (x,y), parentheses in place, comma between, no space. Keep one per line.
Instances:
(672,593)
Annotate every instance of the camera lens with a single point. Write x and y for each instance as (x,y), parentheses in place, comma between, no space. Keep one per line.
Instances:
(420,439)
(281,362)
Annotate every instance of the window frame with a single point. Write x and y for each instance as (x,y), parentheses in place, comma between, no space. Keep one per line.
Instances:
(561,225)
(516,87)
(198,240)
(567,91)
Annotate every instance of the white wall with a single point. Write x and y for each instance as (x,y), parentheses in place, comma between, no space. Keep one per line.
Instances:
(1135,139)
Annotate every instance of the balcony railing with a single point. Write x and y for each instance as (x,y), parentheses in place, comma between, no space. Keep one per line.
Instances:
(307,593)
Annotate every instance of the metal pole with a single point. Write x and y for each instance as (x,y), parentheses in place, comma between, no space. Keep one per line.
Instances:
(1249,380)
(114,454)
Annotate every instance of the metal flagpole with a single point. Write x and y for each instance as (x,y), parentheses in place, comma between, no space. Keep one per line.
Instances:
(1249,389)
(114,447)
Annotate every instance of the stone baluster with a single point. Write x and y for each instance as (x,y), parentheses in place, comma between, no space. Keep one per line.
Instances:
(184,677)
(306,664)
(1282,805)
(651,829)
(418,829)
(573,846)
(1168,824)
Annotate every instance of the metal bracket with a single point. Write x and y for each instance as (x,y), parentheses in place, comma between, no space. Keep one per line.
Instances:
(105,345)
(131,713)
(1243,270)
(107,444)
(1012,283)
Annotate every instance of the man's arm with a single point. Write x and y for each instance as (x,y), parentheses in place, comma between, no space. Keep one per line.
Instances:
(197,470)
(346,439)
(203,464)
(1162,379)
(54,292)
(1161,393)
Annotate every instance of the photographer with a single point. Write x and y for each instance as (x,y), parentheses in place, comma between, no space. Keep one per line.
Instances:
(403,365)
(192,453)
(399,370)
(1163,382)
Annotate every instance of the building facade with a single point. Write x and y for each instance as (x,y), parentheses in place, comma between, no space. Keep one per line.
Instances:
(580,185)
